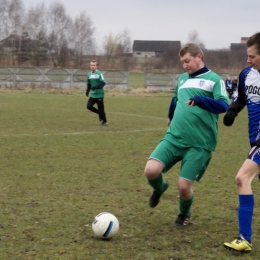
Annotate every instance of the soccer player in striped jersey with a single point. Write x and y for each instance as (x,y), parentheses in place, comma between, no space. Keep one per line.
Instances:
(247,94)
(200,96)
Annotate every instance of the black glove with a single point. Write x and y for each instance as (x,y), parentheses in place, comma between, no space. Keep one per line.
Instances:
(229,117)
(87,92)
(93,88)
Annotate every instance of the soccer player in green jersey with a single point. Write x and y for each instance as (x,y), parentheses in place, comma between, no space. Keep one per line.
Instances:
(95,85)
(200,96)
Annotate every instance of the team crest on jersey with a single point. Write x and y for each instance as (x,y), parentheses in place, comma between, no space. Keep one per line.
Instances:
(201,83)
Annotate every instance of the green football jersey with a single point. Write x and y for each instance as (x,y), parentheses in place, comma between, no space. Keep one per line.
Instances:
(94,79)
(194,126)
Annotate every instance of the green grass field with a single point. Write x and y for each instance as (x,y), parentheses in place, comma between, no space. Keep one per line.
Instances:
(59,169)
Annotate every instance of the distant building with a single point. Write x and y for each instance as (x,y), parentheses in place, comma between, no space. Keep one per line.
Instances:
(239,46)
(13,42)
(244,39)
(16,42)
(153,48)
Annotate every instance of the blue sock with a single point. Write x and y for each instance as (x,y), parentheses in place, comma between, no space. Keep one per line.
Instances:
(245,215)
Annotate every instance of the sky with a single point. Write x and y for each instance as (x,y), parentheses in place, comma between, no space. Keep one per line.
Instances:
(218,23)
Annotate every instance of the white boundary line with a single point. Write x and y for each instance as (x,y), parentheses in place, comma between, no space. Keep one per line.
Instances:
(98,132)
(84,133)
(119,113)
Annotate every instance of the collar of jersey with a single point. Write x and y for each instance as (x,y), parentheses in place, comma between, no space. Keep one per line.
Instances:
(198,72)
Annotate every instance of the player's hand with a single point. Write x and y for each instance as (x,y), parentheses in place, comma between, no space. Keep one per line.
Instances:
(190,103)
(93,88)
(229,117)
(87,92)
(194,101)
(169,122)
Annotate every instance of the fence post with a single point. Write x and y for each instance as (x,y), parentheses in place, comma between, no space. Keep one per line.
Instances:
(71,77)
(42,72)
(145,77)
(14,78)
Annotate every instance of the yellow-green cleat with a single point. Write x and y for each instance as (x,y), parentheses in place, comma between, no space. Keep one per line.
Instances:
(239,244)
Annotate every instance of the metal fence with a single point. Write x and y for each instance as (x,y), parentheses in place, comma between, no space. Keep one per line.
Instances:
(76,78)
(57,77)
(162,81)
(166,81)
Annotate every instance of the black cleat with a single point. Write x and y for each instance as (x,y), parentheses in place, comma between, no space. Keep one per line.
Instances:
(104,124)
(155,197)
(182,220)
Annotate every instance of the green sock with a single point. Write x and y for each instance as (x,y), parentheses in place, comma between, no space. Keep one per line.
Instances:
(157,184)
(185,205)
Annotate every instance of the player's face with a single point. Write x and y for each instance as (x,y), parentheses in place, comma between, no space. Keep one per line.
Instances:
(93,66)
(253,57)
(191,64)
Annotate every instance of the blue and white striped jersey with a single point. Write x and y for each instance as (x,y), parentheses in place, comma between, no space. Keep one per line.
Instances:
(248,94)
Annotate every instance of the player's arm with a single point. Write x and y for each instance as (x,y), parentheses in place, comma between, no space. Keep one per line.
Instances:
(99,86)
(88,87)
(172,105)
(172,108)
(215,106)
(218,104)
(238,104)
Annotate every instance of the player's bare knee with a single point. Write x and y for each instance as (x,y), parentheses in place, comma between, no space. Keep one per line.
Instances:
(239,180)
(150,171)
(184,192)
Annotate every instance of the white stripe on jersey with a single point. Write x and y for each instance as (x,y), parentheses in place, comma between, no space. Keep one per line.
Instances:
(203,84)
(223,88)
(94,76)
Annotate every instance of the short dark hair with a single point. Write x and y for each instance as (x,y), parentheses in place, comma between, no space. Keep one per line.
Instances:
(254,40)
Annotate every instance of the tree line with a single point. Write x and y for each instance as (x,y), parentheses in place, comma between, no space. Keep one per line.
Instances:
(44,34)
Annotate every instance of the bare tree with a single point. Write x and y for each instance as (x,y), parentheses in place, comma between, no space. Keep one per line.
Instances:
(13,13)
(110,44)
(35,26)
(217,59)
(170,58)
(124,44)
(82,41)
(194,37)
(117,45)
(4,21)
(59,25)
(35,21)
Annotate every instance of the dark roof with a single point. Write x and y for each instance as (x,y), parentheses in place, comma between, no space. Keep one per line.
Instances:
(237,46)
(12,37)
(157,46)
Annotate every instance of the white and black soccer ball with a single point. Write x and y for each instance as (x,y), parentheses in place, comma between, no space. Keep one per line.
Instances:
(105,225)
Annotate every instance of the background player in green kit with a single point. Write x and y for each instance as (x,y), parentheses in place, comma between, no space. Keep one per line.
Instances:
(95,85)
(199,97)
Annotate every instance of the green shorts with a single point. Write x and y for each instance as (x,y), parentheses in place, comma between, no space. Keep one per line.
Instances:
(194,160)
